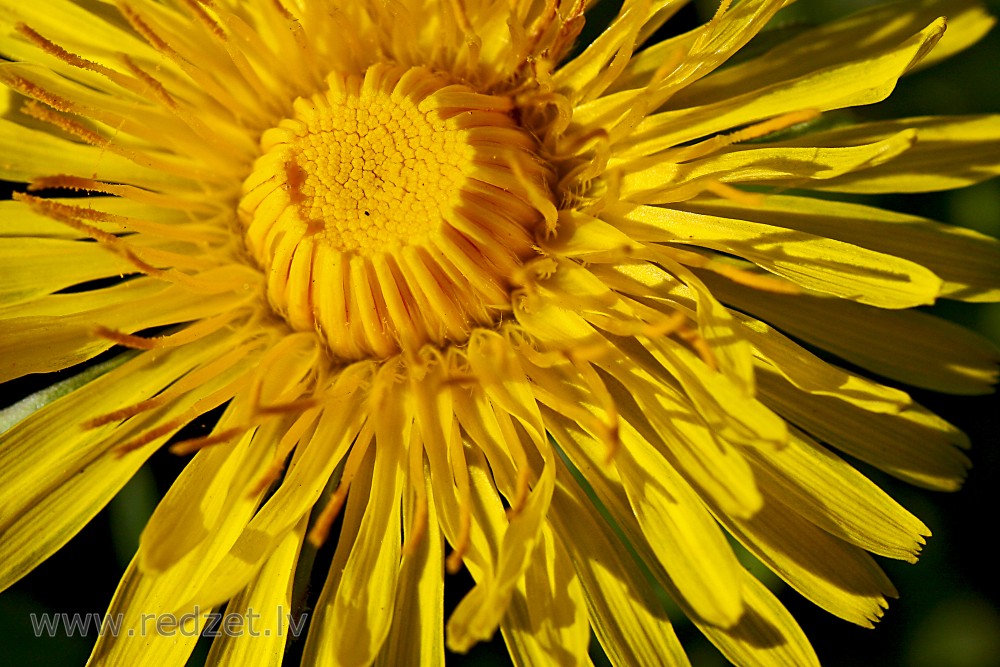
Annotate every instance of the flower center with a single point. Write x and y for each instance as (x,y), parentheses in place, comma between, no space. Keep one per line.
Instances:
(391,210)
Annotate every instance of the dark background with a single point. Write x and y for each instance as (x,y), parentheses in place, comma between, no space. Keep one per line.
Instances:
(947,615)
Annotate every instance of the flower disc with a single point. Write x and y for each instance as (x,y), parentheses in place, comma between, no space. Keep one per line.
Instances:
(390,210)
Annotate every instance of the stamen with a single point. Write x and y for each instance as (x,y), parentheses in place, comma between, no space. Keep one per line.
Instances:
(597,140)
(756,131)
(141,27)
(125,413)
(189,382)
(727,191)
(535,197)
(33,90)
(460,469)
(286,407)
(212,141)
(607,433)
(81,184)
(473,42)
(761,281)
(196,8)
(93,138)
(599,390)
(723,8)
(694,338)
(291,438)
(517,452)
(203,80)
(418,525)
(72,59)
(185,447)
(189,334)
(68,215)
(321,529)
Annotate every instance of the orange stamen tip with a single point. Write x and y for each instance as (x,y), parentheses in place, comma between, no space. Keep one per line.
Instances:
(123,450)
(284,408)
(64,182)
(124,339)
(321,529)
(454,562)
(194,444)
(317,536)
(417,529)
(735,194)
(614,443)
(267,478)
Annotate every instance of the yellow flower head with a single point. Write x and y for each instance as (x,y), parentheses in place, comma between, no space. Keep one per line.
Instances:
(495,299)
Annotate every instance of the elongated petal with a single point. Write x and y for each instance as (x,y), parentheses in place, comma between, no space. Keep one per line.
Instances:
(913,347)
(843,83)
(361,588)
(627,618)
(817,263)
(265,613)
(809,373)
(547,619)
(967,262)
(836,576)
(948,153)
(658,180)
(766,634)
(417,630)
(880,439)
(865,36)
(814,482)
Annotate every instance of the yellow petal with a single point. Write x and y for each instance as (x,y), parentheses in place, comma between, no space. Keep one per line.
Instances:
(864,36)
(224,480)
(546,623)
(733,415)
(884,440)
(29,154)
(950,152)
(63,485)
(814,262)
(32,532)
(657,180)
(627,618)
(683,436)
(766,634)
(478,614)
(611,49)
(809,373)
(308,474)
(417,631)
(361,588)
(138,605)
(142,598)
(828,491)
(256,624)
(657,508)
(81,29)
(967,262)
(909,346)
(35,267)
(42,344)
(721,102)
(832,574)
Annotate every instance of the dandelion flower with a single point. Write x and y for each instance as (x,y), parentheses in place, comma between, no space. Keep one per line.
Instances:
(544,313)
